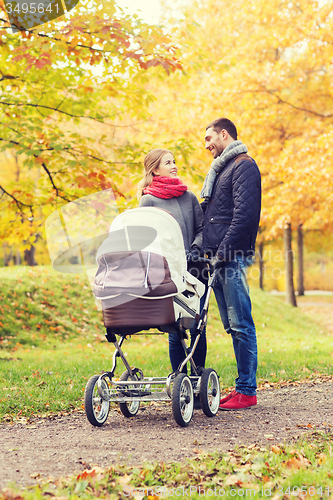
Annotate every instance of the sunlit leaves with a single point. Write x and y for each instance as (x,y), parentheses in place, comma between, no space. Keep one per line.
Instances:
(65,89)
(268,67)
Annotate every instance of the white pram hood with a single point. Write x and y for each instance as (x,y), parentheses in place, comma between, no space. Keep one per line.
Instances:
(164,238)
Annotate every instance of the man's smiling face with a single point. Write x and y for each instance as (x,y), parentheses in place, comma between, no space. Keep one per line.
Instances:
(214,141)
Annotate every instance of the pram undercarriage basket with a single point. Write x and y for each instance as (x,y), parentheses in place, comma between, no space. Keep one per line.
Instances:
(142,283)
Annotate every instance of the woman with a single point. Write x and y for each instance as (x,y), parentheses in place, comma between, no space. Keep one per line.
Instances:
(162,188)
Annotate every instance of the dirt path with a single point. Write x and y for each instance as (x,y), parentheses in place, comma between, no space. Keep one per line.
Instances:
(52,448)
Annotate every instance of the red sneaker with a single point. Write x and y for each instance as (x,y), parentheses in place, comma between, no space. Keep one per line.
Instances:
(224,400)
(239,402)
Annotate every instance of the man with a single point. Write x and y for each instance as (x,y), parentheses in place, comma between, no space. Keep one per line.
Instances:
(232,192)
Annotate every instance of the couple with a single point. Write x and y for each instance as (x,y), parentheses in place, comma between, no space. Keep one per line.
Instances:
(225,228)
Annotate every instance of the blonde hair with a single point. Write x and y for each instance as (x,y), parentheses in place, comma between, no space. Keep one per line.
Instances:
(152,160)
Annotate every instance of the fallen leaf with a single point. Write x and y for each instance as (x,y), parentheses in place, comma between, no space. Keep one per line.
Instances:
(232,480)
(9,494)
(275,449)
(35,475)
(95,474)
(86,474)
(124,479)
(297,463)
(181,478)
(138,496)
(321,458)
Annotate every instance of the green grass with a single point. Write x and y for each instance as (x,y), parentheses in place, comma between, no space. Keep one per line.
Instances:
(53,341)
(251,472)
(39,307)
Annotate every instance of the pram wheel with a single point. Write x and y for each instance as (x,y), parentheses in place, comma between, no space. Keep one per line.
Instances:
(209,392)
(130,408)
(182,400)
(97,408)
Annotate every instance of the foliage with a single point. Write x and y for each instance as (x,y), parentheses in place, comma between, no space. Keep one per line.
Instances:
(83,100)
(318,264)
(251,471)
(268,67)
(65,88)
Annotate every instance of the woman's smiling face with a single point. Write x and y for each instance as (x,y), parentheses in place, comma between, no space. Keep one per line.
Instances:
(167,166)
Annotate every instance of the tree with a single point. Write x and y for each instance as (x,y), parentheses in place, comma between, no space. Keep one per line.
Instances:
(66,87)
(300,275)
(289,257)
(268,67)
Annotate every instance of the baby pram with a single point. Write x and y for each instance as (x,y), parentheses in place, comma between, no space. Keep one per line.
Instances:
(142,283)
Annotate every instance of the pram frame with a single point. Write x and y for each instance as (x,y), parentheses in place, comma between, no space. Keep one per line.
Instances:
(179,387)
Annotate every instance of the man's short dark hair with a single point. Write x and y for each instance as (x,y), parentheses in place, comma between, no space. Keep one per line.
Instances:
(224,123)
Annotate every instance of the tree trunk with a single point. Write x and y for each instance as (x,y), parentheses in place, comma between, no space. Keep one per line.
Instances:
(17,258)
(29,256)
(300,276)
(6,256)
(261,264)
(289,260)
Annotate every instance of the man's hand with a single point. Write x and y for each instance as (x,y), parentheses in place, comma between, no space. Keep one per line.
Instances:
(194,254)
(215,263)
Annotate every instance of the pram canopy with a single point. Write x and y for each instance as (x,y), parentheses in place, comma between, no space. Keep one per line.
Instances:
(147,230)
(143,259)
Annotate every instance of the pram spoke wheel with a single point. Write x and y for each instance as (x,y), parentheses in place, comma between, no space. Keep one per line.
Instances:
(97,409)
(130,408)
(182,400)
(209,392)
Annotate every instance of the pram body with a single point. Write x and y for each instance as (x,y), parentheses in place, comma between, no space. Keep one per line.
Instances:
(142,282)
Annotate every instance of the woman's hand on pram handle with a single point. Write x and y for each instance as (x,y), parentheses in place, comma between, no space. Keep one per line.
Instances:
(193,255)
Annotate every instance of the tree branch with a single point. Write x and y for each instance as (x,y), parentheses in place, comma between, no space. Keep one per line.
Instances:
(52,182)
(52,109)
(79,45)
(5,103)
(298,107)
(43,35)
(7,77)
(274,94)
(19,203)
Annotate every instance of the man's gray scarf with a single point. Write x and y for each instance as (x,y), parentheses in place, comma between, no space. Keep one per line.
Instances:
(234,149)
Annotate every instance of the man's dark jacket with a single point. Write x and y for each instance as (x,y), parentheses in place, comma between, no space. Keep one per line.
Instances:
(232,212)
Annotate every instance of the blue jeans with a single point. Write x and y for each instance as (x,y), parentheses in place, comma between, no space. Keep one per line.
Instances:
(234,303)
(176,351)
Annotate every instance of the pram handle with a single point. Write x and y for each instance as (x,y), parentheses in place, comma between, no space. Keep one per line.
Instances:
(213,275)
(203,259)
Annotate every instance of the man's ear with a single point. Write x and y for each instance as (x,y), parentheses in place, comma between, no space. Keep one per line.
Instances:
(224,134)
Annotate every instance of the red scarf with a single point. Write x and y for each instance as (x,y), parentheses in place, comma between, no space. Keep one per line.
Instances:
(165,187)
